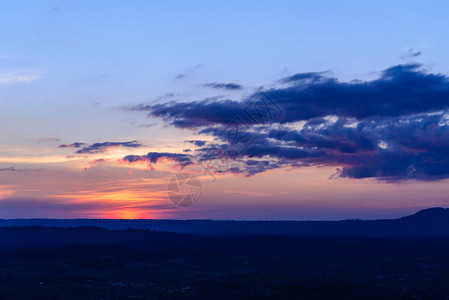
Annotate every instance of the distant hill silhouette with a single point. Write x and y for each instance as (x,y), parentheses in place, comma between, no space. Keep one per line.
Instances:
(432,222)
(435,214)
(405,258)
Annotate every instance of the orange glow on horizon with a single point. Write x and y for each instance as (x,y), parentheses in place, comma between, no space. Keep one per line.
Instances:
(130,214)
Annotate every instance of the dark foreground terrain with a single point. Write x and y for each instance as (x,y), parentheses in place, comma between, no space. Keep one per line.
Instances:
(87,262)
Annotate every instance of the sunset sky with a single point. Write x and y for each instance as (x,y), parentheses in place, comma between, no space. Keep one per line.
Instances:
(341,109)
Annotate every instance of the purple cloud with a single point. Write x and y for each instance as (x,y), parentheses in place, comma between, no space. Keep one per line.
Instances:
(100,147)
(182,160)
(400,90)
(392,128)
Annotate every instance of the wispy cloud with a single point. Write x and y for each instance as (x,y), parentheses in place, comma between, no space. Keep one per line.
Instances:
(73,145)
(182,160)
(100,147)
(19,76)
(14,169)
(223,86)
(188,72)
(146,125)
(411,53)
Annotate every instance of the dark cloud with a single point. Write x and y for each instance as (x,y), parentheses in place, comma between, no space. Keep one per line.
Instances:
(402,148)
(197,143)
(400,90)
(223,86)
(154,157)
(395,149)
(310,77)
(73,145)
(392,128)
(100,147)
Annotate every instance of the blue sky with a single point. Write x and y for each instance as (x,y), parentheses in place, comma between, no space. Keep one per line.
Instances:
(83,52)
(69,69)
(152,41)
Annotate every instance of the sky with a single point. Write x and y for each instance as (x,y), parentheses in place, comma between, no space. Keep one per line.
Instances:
(298,110)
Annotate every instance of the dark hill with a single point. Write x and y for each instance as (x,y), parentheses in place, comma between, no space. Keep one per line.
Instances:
(432,222)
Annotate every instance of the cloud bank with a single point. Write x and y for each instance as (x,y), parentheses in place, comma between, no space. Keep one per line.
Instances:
(393,128)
